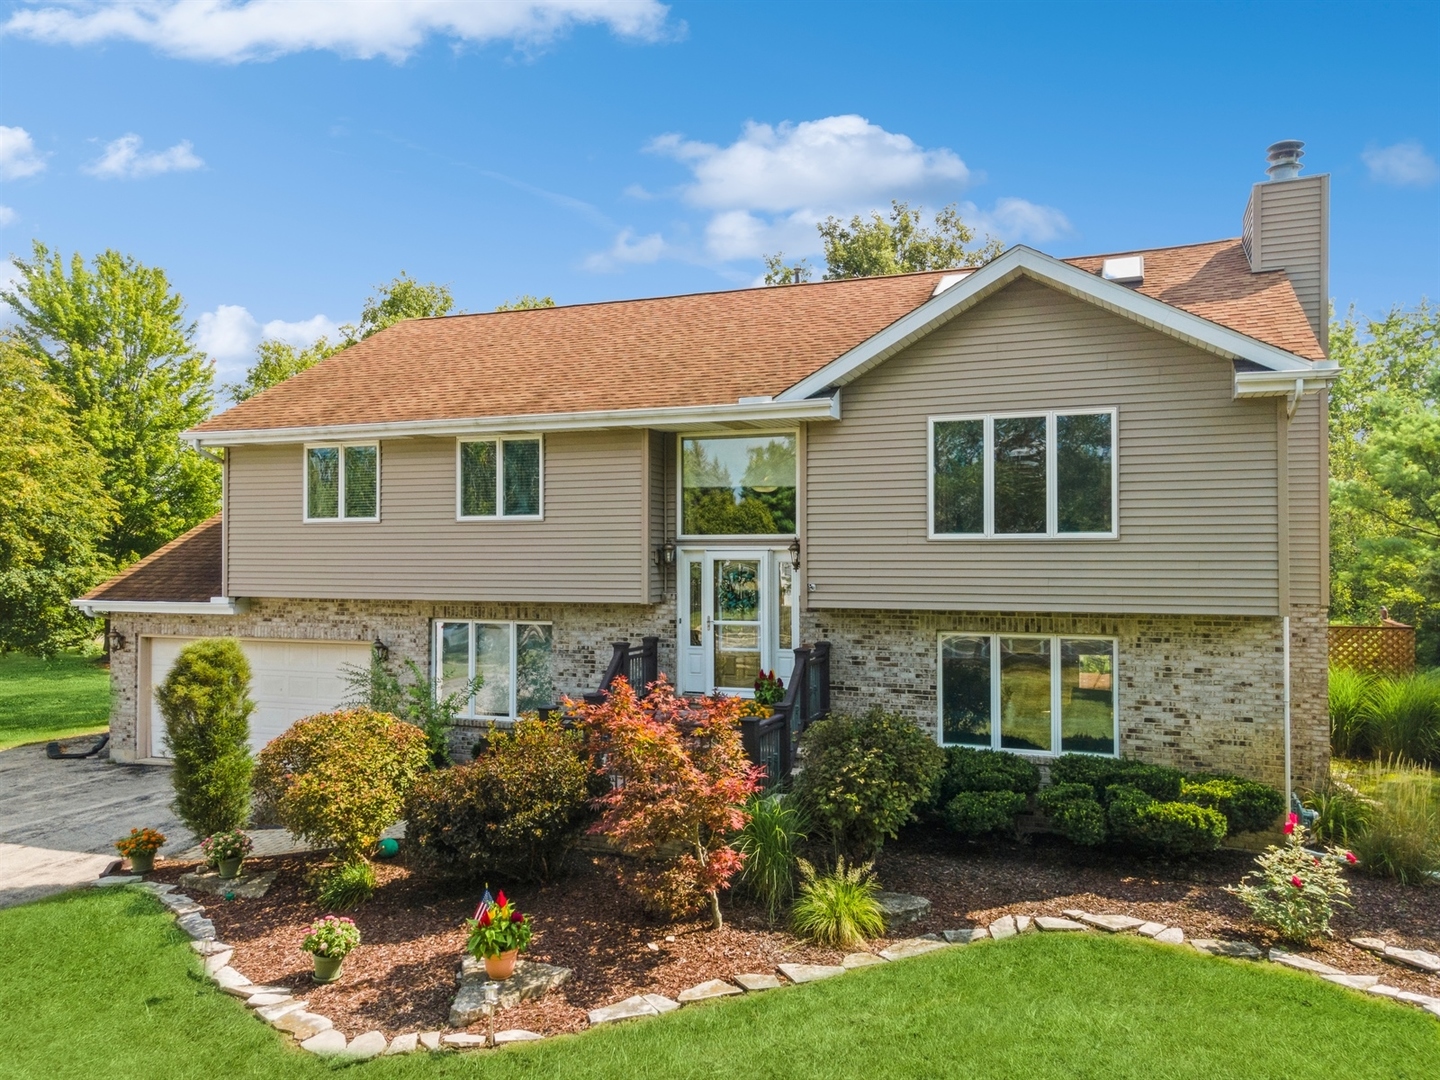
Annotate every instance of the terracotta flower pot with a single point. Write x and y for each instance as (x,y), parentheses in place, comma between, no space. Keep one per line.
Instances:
(142,863)
(502,966)
(327,968)
(230,868)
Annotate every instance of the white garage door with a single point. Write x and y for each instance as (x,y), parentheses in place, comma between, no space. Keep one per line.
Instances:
(288,680)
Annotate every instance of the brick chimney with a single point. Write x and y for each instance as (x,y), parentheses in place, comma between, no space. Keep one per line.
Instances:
(1287,227)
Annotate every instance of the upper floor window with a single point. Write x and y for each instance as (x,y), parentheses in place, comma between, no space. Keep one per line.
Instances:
(342,482)
(499,478)
(737,485)
(1043,474)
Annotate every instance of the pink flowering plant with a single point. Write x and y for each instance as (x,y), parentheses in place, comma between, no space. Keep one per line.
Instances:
(769,688)
(226,845)
(333,937)
(497,928)
(1295,892)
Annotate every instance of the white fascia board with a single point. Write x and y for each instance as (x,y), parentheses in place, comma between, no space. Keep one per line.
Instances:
(751,413)
(1250,384)
(218,605)
(1022,261)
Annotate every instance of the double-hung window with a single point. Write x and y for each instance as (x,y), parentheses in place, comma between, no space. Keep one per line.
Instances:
(499,478)
(1025,692)
(1032,475)
(511,659)
(342,482)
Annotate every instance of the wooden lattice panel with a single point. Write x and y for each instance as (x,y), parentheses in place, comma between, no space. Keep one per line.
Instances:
(1382,650)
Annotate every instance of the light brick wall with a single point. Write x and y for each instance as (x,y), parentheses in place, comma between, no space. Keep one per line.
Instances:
(1196,692)
(582,637)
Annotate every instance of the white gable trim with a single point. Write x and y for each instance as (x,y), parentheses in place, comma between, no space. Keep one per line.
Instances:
(217,605)
(1020,262)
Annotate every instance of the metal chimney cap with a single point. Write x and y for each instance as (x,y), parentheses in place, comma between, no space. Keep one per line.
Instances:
(1284,158)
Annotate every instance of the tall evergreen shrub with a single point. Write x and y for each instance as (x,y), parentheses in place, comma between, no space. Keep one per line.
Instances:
(205,701)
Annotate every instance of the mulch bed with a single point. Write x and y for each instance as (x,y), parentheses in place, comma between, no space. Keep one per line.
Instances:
(403,977)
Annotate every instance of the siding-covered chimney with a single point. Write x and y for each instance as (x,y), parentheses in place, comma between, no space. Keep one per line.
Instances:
(1287,227)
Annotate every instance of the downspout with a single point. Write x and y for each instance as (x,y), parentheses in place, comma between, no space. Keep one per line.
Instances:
(1289,791)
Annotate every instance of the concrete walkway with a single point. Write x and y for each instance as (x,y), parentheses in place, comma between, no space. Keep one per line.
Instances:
(29,873)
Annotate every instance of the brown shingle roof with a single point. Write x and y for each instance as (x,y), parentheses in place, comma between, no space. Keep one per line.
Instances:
(186,570)
(698,349)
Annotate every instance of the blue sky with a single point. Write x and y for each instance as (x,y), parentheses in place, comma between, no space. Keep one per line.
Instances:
(279,160)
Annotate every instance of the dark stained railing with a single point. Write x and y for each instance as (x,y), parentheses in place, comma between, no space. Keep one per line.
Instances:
(638,664)
(774,741)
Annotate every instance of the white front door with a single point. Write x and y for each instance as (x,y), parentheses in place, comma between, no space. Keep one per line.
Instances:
(737,616)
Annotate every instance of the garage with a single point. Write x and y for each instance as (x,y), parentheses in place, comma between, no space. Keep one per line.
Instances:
(288,680)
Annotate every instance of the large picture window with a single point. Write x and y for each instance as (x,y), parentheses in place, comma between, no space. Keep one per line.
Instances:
(498,478)
(512,660)
(737,485)
(1026,692)
(342,482)
(1046,474)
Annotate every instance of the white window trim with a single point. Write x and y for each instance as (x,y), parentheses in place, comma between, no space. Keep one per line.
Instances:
(1055,691)
(499,442)
(340,515)
(680,438)
(513,624)
(1052,513)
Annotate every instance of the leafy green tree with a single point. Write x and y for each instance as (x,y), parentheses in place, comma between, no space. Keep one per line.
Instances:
(54,512)
(113,340)
(1382,419)
(526,302)
(901,244)
(401,299)
(276,361)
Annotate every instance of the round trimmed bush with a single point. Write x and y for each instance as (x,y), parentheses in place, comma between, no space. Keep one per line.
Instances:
(516,810)
(1158,781)
(205,701)
(1248,805)
(970,769)
(1175,830)
(1075,812)
(983,813)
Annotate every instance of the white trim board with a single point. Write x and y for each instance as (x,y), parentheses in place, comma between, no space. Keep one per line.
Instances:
(1026,262)
(216,605)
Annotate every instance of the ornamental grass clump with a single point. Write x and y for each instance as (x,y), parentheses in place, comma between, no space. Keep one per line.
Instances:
(1400,834)
(342,886)
(1294,892)
(839,909)
(769,842)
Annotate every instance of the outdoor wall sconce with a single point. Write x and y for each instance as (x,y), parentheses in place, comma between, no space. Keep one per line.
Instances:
(665,554)
(380,649)
(795,553)
(115,640)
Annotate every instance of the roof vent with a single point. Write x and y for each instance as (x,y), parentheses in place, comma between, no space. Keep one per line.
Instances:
(948,280)
(1126,270)
(1284,157)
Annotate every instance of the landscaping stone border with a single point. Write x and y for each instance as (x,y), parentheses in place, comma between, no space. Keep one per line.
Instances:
(279,1007)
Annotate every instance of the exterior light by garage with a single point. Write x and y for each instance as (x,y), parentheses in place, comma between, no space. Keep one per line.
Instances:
(380,649)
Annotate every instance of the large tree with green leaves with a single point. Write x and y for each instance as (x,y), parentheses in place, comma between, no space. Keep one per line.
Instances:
(899,244)
(276,361)
(1384,441)
(54,512)
(401,299)
(113,339)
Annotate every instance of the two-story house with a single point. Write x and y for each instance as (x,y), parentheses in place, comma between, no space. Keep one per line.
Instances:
(1045,505)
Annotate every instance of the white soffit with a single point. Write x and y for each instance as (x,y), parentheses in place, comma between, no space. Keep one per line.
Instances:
(1021,261)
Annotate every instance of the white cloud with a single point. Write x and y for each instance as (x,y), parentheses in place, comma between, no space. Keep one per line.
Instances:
(1405,164)
(7,215)
(627,248)
(302,333)
(232,32)
(230,333)
(836,161)
(124,160)
(1013,220)
(18,156)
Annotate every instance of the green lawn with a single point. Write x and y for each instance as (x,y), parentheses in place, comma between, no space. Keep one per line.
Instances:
(101,984)
(41,700)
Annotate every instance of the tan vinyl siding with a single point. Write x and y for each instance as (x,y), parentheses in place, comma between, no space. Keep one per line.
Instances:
(1198,511)
(1309,491)
(660,510)
(1287,227)
(590,547)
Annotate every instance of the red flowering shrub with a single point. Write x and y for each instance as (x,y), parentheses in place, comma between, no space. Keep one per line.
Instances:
(679,781)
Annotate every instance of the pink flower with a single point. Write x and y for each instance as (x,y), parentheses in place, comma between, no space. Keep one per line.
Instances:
(1290,823)
(1350,858)
(1317,860)
(1297,883)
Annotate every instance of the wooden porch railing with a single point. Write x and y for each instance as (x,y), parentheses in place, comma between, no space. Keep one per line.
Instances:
(772,741)
(639,664)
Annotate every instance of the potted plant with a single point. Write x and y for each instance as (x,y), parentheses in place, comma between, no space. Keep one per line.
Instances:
(499,933)
(330,940)
(769,688)
(226,851)
(140,848)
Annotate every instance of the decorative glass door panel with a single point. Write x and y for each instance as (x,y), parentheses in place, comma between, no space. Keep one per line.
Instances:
(736,603)
(738,616)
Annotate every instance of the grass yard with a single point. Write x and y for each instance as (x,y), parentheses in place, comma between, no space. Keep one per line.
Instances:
(40,700)
(101,983)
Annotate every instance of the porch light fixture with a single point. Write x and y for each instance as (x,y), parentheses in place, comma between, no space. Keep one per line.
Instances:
(380,649)
(665,554)
(795,553)
(116,640)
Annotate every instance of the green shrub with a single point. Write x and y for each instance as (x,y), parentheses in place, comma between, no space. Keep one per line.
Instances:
(1175,830)
(1350,694)
(339,779)
(839,909)
(205,701)
(983,813)
(1075,812)
(862,777)
(968,769)
(515,811)
(1342,811)
(769,841)
(1293,892)
(343,886)
(1404,719)
(1158,781)
(1400,838)
(1248,805)
(415,699)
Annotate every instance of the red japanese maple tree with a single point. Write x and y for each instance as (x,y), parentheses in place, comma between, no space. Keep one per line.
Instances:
(679,781)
